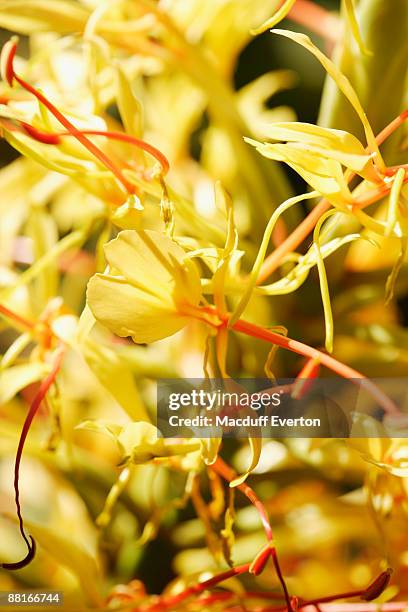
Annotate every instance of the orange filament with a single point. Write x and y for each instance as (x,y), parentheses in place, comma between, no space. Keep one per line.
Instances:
(21,321)
(7,59)
(221,468)
(55,138)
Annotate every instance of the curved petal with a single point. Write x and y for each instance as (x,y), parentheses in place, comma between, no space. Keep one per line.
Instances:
(147,259)
(129,311)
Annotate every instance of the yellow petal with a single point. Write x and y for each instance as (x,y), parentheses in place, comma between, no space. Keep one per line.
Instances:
(141,442)
(341,81)
(114,375)
(323,175)
(256,449)
(151,281)
(352,19)
(276,18)
(129,311)
(149,260)
(18,377)
(333,144)
(128,216)
(29,16)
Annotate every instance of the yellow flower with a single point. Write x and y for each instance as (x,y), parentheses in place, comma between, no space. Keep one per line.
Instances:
(149,289)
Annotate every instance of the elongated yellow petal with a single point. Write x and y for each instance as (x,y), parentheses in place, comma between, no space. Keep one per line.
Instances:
(392,278)
(276,18)
(131,110)
(324,287)
(342,82)
(147,260)
(29,16)
(262,252)
(352,19)
(322,174)
(395,193)
(297,276)
(330,143)
(18,377)
(256,449)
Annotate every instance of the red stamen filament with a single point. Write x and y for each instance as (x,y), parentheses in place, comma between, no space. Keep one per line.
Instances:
(327,360)
(36,403)
(195,589)
(55,138)
(221,468)
(251,329)
(167,602)
(374,590)
(70,127)
(88,144)
(304,379)
(145,146)
(21,321)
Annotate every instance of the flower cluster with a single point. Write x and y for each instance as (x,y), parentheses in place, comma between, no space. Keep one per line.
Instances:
(143,236)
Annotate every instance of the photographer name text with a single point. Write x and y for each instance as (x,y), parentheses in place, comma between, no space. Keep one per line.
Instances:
(241,421)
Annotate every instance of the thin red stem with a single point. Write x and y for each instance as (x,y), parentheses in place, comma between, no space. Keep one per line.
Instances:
(88,144)
(221,468)
(372,591)
(55,138)
(228,474)
(304,379)
(141,144)
(372,196)
(250,329)
(209,314)
(391,127)
(329,598)
(195,589)
(8,54)
(36,403)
